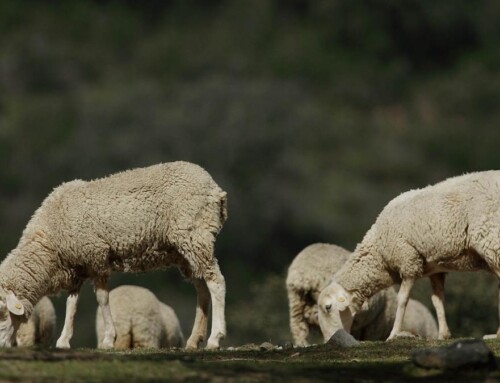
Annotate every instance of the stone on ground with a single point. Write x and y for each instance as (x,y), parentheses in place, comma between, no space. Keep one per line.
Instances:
(343,339)
(462,354)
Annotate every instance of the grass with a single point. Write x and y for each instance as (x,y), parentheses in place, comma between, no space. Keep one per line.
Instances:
(371,362)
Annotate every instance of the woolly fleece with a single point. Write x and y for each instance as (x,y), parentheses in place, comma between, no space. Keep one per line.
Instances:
(141,320)
(449,226)
(311,271)
(132,221)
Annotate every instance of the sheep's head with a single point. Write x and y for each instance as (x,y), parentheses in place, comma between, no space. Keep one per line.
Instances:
(336,310)
(11,315)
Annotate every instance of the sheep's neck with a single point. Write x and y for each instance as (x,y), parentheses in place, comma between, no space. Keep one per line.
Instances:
(30,271)
(364,275)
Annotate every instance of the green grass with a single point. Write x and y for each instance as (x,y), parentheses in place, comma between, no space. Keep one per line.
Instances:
(371,362)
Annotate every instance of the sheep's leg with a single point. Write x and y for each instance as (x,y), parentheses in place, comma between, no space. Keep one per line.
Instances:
(403,296)
(298,325)
(217,287)
(437,282)
(67,331)
(102,295)
(201,319)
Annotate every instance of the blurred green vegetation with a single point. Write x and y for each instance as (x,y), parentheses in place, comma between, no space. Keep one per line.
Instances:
(311,114)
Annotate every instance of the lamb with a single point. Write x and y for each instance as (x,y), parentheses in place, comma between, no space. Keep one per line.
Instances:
(311,271)
(40,327)
(133,221)
(140,319)
(449,226)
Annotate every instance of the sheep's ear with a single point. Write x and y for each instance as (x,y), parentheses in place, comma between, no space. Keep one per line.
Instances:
(13,304)
(342,302)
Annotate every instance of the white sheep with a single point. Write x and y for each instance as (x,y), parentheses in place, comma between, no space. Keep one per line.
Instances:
(313,268)
(450,226)
(137,220)
(140,319)
(40,327)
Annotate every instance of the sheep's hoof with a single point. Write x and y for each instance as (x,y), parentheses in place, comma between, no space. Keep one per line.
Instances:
(213,341)
(191,347)
(106,344)
(193,343)
(444,336)
(391,337)
(62,344)
(212,345)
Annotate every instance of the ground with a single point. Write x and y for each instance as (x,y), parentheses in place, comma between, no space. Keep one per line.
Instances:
(371,362)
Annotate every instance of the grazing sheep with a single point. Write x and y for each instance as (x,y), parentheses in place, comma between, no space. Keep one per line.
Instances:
(311,271)
(40,327)
(450,226)
(141,320)
(137,220)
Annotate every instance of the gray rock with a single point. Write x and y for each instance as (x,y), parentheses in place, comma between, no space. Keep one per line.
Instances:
(343,339)
(462,354)
(266,346)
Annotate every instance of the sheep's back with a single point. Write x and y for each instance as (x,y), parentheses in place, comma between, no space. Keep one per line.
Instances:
(312,269)
(440,223)
(148,212)
(136,315)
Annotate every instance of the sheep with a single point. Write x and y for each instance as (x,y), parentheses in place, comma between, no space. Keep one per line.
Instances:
(140,319)
(40,327)
(449,226)
(133,221)
(311,271)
